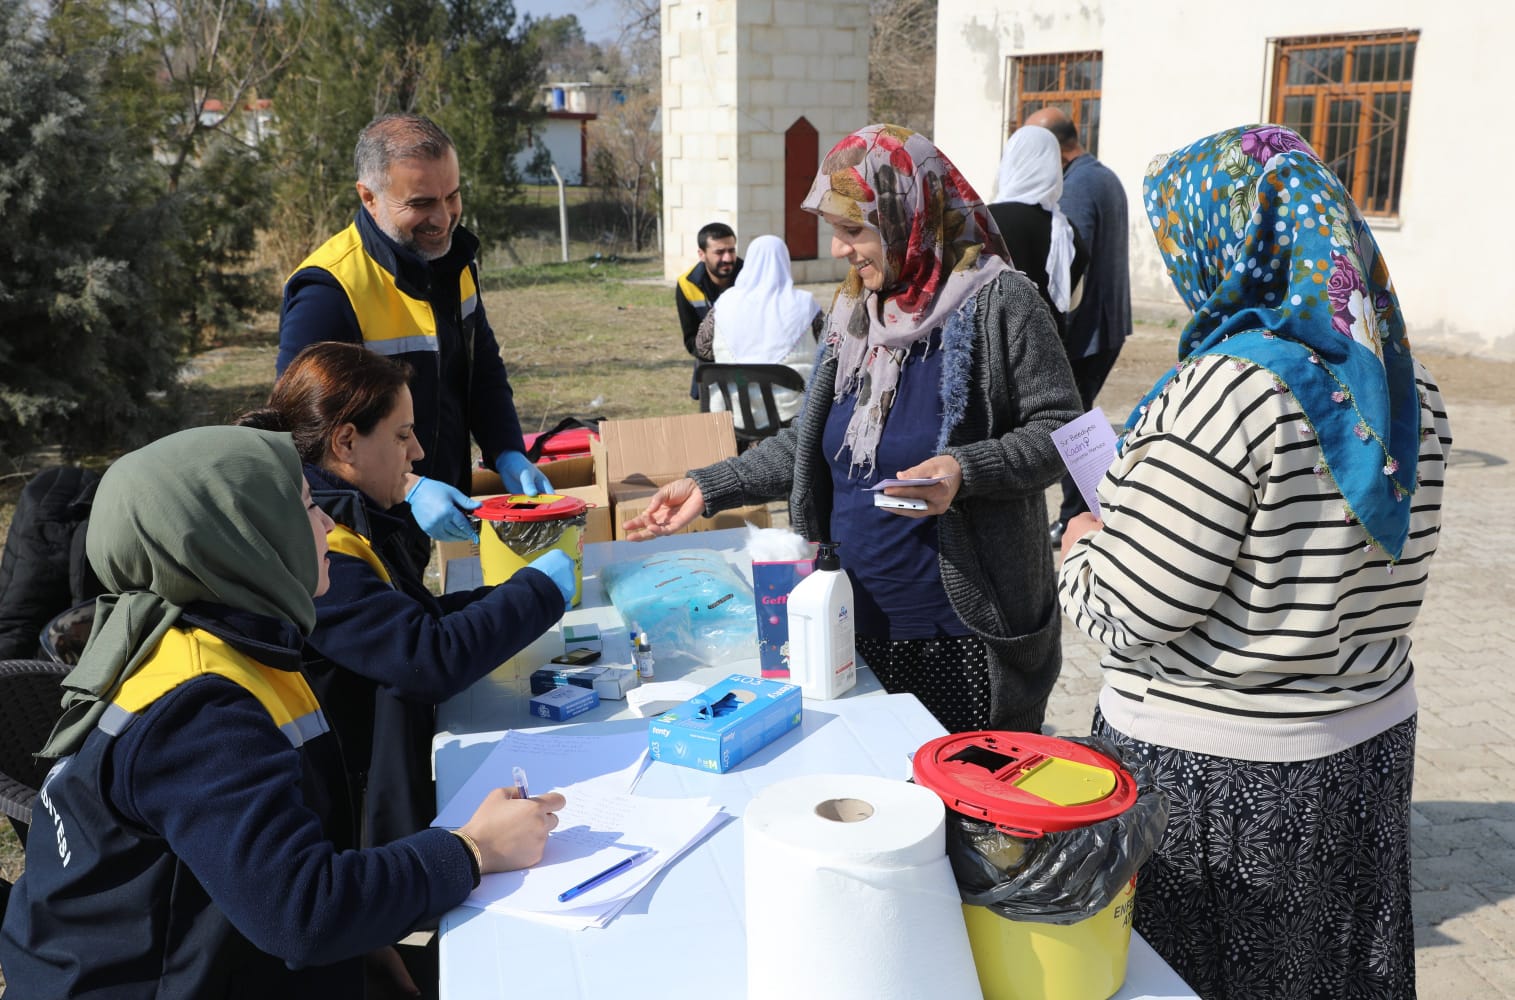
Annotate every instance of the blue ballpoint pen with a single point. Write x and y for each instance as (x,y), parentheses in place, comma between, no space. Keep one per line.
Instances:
(519,774)
(606,875)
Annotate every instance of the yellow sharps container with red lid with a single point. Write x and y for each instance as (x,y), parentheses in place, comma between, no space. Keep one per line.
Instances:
(515,529)
(1045,844)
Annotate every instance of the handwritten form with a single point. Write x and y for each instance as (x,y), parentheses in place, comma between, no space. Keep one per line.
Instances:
(601,824)
(1087,446)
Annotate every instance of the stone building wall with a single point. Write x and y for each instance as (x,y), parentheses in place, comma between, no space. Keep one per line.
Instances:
(736,75)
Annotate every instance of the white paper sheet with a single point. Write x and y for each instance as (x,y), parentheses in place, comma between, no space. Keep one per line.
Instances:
(553,762)
(1087,446)
(594,833)
(601,824)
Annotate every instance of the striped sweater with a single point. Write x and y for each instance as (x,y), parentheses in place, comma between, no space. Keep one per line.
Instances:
(1243,614)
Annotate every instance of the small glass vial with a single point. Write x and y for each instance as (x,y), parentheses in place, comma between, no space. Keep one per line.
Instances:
(641,654)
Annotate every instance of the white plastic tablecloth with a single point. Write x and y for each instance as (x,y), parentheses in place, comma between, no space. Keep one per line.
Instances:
(682,938)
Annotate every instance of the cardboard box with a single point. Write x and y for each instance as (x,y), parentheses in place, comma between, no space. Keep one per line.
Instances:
(582,636)
(614,682)
(728,723)
(554,676)
(563,703)
(638,456)
(771,584)
(641,455)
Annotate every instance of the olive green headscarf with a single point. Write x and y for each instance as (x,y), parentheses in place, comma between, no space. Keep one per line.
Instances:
(210,514)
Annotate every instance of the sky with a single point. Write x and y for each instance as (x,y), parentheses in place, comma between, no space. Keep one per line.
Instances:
(599,18)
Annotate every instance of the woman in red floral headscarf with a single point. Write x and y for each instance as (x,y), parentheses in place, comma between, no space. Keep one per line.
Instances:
(940,362)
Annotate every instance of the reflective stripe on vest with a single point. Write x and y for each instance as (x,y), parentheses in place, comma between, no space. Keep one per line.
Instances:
(345,541)
(693,294)
(391,322)
(184,655)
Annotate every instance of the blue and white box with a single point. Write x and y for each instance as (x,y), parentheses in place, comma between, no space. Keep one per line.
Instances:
(563,703)
(729,722)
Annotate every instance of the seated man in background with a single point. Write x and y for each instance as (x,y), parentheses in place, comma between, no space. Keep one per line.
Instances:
(697,290)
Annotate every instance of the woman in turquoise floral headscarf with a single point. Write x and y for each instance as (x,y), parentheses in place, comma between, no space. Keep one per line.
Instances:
(1263,552)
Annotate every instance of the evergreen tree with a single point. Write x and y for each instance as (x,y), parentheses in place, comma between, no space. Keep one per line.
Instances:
(488,106)
(90,336)
(462,63)
(341,79)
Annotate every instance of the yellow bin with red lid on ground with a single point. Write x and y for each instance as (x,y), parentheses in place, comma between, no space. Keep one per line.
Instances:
(1028,787)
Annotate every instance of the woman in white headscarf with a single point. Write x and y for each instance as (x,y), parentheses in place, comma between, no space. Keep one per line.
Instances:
(762,319)
(1041,240)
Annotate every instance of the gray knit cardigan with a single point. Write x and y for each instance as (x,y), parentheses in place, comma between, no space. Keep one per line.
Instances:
(1006,386)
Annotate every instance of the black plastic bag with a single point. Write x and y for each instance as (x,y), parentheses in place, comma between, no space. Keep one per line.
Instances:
(1062,877)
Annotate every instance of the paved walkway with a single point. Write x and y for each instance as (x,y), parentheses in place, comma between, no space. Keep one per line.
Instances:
(1463,827)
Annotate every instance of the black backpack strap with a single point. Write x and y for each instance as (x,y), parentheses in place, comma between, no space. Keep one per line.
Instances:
(534,453)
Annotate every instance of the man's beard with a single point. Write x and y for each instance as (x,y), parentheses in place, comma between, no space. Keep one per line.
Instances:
(723,269)
(388,228)
(414,246)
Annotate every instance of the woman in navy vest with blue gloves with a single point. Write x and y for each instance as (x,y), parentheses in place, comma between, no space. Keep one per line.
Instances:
(385,651)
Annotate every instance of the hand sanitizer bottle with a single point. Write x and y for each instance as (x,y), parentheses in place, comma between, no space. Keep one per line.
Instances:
(822,658)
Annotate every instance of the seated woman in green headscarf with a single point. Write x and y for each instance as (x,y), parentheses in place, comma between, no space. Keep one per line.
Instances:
(186,839)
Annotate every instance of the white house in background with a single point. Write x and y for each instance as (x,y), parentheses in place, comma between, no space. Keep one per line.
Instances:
(253,123)
(565,136)
(564,133)
(1405,99)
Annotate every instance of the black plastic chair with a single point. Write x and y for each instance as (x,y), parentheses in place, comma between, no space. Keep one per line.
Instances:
(732,381)
(31,696)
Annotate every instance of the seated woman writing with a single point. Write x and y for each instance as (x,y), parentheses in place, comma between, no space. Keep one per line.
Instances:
(385,651)
(195,818)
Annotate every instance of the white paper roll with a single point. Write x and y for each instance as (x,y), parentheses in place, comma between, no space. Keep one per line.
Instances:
(850,894)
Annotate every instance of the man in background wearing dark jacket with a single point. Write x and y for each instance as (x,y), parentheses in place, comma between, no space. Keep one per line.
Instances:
(1095,202)
(403,281)
(698,289)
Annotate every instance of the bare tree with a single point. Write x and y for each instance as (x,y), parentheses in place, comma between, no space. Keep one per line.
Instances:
(624,152)
(223,51)
(902,63)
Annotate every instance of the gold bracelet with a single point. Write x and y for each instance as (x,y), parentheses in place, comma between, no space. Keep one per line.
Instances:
(473,848)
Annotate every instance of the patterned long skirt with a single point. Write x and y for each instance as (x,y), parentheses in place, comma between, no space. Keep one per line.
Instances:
(949,675)
(1283,881)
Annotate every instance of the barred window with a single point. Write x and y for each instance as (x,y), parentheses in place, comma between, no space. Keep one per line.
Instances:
(1349,97)
(1067,80)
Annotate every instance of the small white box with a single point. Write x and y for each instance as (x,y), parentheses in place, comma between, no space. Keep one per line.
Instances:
(614,682)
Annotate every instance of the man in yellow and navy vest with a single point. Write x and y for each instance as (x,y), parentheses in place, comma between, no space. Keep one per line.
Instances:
(403,281)
(697,290)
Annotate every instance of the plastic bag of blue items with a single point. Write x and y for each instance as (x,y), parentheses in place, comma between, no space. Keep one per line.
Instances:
(691,601)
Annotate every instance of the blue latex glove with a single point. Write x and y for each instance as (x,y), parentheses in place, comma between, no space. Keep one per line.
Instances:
(438,509)
(559,566)
(520,475)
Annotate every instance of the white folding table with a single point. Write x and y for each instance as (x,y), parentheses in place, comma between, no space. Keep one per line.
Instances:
(682,937)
